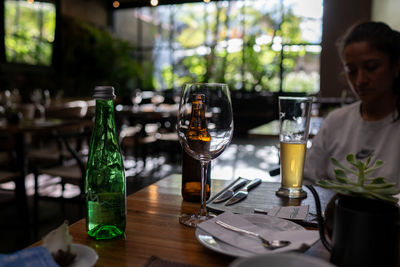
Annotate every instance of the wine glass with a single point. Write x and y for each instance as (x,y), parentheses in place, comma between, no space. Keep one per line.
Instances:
(136,97)
(206,139)
(157,99)
(36,98)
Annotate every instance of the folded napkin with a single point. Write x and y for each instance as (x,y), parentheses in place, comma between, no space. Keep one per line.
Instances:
(287,212)
(252,244)
(58,239)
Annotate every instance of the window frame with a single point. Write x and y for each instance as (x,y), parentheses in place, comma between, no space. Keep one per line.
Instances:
(145,48)
(26,66)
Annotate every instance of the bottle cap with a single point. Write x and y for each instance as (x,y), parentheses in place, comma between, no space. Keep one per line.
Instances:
(104,92)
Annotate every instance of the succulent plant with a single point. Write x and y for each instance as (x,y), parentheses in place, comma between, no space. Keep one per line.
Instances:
(363,185)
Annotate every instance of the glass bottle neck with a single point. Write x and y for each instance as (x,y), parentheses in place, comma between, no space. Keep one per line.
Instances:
(104,113)
(198,125)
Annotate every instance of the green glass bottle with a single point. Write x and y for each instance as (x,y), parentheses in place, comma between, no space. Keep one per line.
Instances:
(105,187)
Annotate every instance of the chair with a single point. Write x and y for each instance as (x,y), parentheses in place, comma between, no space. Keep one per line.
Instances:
(169,142)
(69,110)
(5,178)
(138,141)
(70,171)
(8,172)
(45,153)
(10,203)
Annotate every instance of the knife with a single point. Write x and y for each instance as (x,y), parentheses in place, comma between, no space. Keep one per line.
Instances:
(242,193)
(230,191)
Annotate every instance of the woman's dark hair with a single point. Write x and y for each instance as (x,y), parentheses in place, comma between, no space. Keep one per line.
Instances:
(381,37)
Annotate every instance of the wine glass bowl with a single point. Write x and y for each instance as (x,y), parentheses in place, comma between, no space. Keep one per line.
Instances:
(37,98)
(136,98)
(205,129)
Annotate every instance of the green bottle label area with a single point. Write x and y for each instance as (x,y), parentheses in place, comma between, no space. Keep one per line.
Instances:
(106,215)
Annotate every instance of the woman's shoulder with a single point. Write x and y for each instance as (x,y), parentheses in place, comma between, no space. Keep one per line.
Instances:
(347,111)
(345,115)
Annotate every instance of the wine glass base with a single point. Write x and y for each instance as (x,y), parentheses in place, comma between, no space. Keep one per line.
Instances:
(192,220)
(291,192)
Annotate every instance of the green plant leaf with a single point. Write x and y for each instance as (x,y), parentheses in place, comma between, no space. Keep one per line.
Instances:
(377,180)
(359,165)
(386,191)
(373,188)
(334,185)
(356,189)
(350,158)
(377,164)
(341,176)
(324,183)
(368,162)
(378,186)
(387,198)
(338,164)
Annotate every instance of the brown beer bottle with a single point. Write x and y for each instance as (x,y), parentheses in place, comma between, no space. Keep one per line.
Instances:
(198,136)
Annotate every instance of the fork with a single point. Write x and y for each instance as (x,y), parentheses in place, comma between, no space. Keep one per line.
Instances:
(270,244)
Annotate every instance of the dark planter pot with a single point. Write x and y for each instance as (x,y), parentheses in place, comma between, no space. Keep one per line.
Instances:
(364,232)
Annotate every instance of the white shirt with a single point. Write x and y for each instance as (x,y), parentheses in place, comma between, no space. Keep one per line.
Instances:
(343,132)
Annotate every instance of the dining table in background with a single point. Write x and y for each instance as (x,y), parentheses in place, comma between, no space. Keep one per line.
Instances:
(271,129)
(147,125)
(19,132)
(153,230)
(147,113)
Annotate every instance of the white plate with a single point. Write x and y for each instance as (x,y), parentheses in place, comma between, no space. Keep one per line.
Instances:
(266,222)
(281,259)
(85,256)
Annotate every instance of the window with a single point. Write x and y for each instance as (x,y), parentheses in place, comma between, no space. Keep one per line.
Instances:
(29,32)
(255,45)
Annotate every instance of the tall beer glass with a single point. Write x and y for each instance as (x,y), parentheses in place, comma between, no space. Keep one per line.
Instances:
(294,121)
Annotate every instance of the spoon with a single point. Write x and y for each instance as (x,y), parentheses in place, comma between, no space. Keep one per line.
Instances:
(270,244)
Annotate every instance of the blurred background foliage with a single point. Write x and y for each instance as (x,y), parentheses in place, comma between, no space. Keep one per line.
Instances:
(245,46)
(250,48)
(29,34)
(91,56)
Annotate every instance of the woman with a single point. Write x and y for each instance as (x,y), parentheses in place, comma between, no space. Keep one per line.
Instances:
(370,53)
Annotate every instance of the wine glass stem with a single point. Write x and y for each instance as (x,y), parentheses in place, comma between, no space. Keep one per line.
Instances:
(204,169)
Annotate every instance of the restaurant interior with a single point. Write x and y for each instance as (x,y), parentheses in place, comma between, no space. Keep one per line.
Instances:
(54,52)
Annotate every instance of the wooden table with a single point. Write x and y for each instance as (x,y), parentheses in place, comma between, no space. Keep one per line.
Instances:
(153,230)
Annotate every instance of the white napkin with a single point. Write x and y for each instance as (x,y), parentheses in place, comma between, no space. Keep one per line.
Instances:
(58,239)
(287,212)
(253,244)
